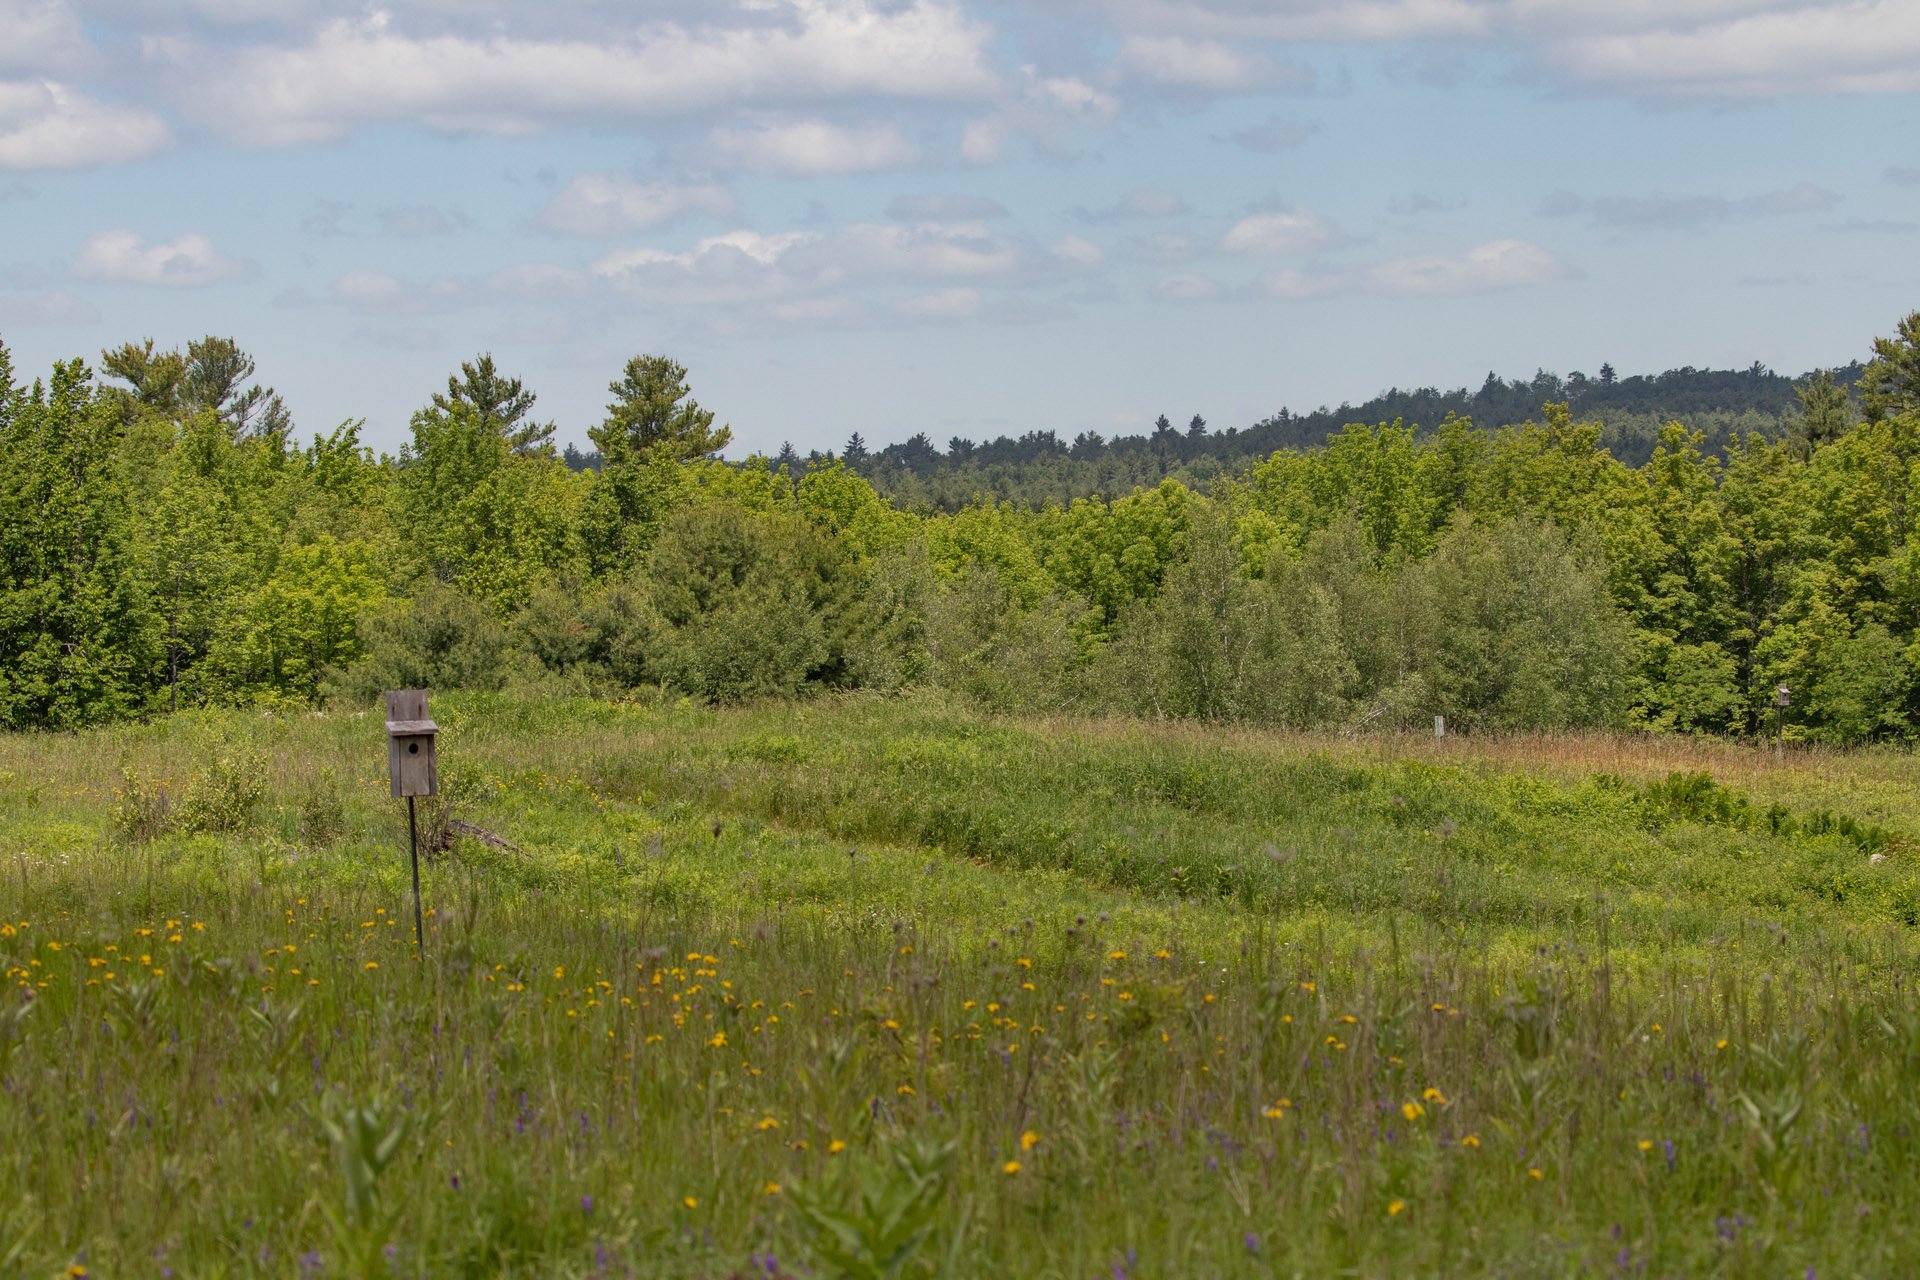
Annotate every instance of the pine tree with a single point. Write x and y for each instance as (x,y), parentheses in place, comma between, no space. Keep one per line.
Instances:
(1891,384)
(651,416)
(855,454)
(499,399)
(216,371)
(1825,411)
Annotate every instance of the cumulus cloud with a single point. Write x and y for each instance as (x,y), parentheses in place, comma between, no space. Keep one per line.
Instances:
(357,71)
(39,34)
(1188,286)
(1044,112)
(47,125)
(1687,212)
(956,303)
(920,270)
(1743,48)
(1202,64)
(121,257)
(379,293)
(539,281)
(1645,48)
(1140,202)
(812,148)
(1284,232)
(46,307)
(1303,20)
(1498,264)
(608,205)
(1077,254)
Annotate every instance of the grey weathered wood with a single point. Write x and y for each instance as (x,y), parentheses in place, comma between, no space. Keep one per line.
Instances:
(411,768)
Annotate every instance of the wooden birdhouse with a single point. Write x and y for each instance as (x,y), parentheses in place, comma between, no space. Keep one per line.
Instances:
(410,736)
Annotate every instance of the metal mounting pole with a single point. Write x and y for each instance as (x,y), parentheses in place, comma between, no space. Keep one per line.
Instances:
(413,846)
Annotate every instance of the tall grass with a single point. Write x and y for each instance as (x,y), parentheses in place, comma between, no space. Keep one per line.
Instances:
(877,988)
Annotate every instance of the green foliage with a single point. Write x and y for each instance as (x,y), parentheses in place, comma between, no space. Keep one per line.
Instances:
(983,644)
(892,987)
(1890,385)
(78,635)
(653,416)
(873,1220)
(748,604)
(167,545)
(437,639)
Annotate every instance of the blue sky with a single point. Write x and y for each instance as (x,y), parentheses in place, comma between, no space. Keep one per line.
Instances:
(891,216)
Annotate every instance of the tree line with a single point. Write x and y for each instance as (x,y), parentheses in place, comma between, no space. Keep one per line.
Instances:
(166,541)
(1040,466)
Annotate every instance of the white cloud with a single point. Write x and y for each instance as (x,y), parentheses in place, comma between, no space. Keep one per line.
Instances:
(1746,48)
(121,257)
(542,281)
(1070,96)
(50,307)
(1304,20)
(609,205)
(378,293)
(1498,264)
(1179,62)
(739,267)
(1645,48)
(46,125)
(811,148)
(38,34)
(941,304)
(803,268)
(1176,60)
(1188,286)
(1078,254)
(893,251)
(982,141)
(374,290)
(1294,283)
(1285,232)
(358,71)
(1661,210)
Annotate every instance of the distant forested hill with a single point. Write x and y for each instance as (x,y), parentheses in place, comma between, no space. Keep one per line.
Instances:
(1039,466)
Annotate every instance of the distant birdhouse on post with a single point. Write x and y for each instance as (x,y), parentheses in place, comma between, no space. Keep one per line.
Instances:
(1782,699)
(410,769)
(410,736)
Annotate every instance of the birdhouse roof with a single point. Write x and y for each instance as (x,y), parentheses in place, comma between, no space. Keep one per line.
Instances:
(411,728)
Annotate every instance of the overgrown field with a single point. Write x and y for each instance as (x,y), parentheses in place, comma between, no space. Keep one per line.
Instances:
(864,987)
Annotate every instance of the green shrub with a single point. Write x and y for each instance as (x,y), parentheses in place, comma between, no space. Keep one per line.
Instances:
(438,639)
(222,797)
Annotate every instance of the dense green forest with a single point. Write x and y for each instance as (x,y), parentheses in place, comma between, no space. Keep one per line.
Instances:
(1038,467)
(167,541)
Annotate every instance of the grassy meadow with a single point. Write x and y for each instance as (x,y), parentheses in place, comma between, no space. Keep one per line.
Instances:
(861,987)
